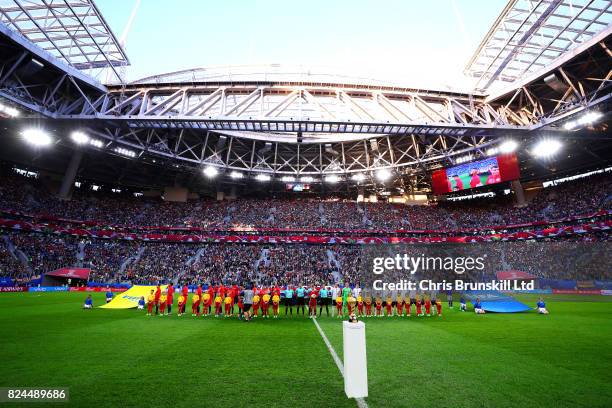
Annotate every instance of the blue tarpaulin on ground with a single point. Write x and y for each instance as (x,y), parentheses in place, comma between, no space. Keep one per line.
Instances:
(493,301)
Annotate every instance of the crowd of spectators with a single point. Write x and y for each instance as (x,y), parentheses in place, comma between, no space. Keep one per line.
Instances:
(108,259)
(296,264)
(147,263)
(26,255)
(10,264)
(41,252)
(558,259)
(567,199)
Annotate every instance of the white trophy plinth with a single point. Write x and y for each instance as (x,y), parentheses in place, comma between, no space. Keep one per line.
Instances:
(355,362)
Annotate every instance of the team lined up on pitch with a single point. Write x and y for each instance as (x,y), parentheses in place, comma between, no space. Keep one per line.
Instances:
(221,301)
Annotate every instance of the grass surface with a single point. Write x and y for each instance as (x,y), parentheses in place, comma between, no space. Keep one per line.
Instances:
(123,358)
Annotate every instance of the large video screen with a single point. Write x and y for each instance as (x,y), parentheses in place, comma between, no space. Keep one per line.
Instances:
(297,187)
(476,174)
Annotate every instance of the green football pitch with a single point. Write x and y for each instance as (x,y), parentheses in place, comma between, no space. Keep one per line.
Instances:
(112,358)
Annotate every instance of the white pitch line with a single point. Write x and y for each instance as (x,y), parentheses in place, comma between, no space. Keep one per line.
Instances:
(360,401)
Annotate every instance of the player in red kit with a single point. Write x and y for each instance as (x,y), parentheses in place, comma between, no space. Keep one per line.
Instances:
(240,306)
(186,292)
(439,307)
(474,179)
(419,309)
(312,302)
(399,306)
(494,177)
(427,306)
(379,303)
(389,305)
(368,305)
(360,305)
(235,292)
(157,296)
(458,183)
(407,305)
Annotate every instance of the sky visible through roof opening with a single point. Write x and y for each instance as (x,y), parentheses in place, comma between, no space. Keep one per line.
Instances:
(413,43)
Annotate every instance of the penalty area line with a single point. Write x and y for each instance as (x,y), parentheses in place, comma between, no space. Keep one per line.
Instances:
(360,401)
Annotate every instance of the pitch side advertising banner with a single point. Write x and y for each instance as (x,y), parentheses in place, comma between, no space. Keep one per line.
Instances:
(577,292)
(48,289)
(13,288)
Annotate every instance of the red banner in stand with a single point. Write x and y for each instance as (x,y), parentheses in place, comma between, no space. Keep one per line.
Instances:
(97,289)
(576,292)
(514,275)
(110,230)
(349,237)
(71,273)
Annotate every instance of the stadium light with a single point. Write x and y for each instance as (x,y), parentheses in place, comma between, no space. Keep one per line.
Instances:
(210,171)
(332,178)
(359,177)
(306,179)
(589,117)
(508,146)
(262,177)
(236,175)
(96,143)
(37,137)
(570,125)
(383,175)
(7,110)
(492,151)
(546,148)
(464,159)
(585,119)
(288,179)
(125,152)
(79,137)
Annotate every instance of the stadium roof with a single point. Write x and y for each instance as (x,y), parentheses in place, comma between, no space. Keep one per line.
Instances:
(295,120)
(290,73)
(72,30)
(530,34)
